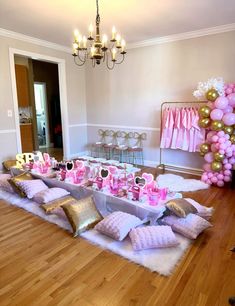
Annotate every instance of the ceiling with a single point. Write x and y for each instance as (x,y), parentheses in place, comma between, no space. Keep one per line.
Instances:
(137,20)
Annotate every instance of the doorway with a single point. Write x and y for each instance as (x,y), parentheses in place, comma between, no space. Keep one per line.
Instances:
(41,115)
(50,134)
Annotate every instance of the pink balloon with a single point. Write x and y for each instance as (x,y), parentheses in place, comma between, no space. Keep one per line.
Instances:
(229,119)
(214,179)
(227,178)
(215,138)
(204,177)
(207,167)
(228,91)
(231,160)
(228,166)
(216,114)
(225,161)
(222,140)
(208,182)
(228,109)
(227,172)
(210,175)
(221,133)
(221,152)
(220,177)
(221,102)
(213,148)
(209,157)
(227,137)
(220,183)
(231,99)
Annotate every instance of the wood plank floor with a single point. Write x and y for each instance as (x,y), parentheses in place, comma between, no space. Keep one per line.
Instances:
(41,264)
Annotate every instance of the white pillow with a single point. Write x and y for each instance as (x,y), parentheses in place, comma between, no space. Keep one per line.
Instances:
(117,225)
(50,194)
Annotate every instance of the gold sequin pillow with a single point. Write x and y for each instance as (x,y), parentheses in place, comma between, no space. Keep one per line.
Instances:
(181,207)
(82,215)
(19,178)
(52,205)
(7,164)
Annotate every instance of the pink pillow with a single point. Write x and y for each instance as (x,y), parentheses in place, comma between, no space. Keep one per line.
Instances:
(190,227)
(50,194)
(31,187)
(203,211)
(117,225)
(149,237)
(4,184)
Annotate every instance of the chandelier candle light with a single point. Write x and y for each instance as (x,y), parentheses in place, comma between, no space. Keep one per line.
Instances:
(111,52)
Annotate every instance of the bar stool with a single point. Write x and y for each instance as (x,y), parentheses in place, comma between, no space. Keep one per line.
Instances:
(97,149)
(110,146)
(136,152)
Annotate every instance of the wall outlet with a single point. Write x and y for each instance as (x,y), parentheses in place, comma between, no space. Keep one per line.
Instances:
(9,113)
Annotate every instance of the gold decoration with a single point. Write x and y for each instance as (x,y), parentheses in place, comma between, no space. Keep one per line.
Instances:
(204,111)
(216,166)
(218,157)
(212,95)
(217,125)
(181,207)
(19,178)
(82,215)
(204,148)
(202,154)
(7,164)
(50,206)
(228,129)
(232,139)
(204,122)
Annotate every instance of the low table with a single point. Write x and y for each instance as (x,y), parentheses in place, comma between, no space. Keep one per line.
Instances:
(107,203)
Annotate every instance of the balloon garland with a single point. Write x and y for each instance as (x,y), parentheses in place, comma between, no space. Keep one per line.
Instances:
(218,117)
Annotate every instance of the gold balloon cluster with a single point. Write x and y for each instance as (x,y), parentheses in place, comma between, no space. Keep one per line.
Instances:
(232,139)
(204,113)
(216,166)
(204,148)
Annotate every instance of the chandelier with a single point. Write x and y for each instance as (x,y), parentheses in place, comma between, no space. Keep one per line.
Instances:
(111,52)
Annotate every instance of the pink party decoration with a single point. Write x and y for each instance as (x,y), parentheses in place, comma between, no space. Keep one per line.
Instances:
(221,102)
(222,109)
(231,99)
(229,119)
(216,114)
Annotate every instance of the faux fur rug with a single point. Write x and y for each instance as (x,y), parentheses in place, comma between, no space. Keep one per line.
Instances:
(178,183)
(162,261)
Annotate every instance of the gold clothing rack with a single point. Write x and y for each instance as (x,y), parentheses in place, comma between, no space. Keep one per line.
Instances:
(192,103)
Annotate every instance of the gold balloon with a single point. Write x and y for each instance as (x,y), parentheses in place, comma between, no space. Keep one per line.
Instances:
(204,148)
(204,122)
(217,125)
(204,111)
(232,139)
(216,166)
(202,154)
(212,95)
(228,129)
(218,157)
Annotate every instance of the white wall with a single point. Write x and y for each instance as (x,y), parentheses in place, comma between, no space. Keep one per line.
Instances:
(131,95)
(76,96)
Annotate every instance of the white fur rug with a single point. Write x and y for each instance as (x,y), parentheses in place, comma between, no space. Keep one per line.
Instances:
(162,261)
(177,183)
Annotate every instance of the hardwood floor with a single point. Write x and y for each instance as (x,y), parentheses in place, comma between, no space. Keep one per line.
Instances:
(41,264)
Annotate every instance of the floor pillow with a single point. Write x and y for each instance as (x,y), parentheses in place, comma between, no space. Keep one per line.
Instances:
(32,187)
(50,194)
(117,225)
(18,178)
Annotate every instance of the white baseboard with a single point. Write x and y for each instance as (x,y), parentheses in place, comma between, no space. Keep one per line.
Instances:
(74,155)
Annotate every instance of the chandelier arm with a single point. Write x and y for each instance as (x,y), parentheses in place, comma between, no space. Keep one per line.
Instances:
(82,60)
(123,57)
(107,62)
(77,63)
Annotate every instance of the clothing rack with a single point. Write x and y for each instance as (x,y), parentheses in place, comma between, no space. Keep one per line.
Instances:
(192,103)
